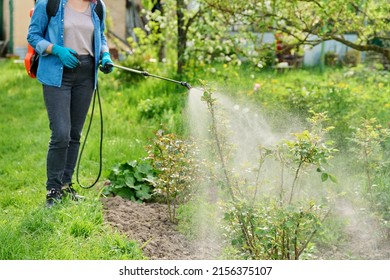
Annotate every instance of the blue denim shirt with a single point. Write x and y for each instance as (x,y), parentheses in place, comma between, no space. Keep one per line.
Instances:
(50,68)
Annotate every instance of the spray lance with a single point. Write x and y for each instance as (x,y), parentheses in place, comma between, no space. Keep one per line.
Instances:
(105,70)
(147,74)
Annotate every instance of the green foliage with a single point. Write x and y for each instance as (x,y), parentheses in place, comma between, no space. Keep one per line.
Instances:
(309,149)
(370,139)
(132,180)
(175,162)
(272,232)
(151,108)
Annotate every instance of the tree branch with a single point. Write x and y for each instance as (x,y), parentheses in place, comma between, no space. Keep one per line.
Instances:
(368,47)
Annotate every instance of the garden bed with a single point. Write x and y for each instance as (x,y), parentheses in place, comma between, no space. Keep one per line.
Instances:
(148,224)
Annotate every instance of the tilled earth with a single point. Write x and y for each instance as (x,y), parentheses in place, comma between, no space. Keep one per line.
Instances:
(149,225)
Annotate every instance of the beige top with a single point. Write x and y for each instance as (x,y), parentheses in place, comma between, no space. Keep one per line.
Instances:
(79,29)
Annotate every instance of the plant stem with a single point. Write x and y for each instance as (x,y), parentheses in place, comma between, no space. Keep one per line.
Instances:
(257,180)
(295,181)
(220,153)
(281,195)
(296,249)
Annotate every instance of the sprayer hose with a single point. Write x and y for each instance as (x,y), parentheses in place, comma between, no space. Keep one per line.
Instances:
(96,93)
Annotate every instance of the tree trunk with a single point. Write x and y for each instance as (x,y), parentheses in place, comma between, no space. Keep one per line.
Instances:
(182,35)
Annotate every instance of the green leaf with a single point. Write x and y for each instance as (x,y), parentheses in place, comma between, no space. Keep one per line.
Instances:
(144,193)
(132,163)
(125,193)
(107,190)
(145,168)
(333,178)
(324,176)
(138,176)
(118,186)
(235,242)
(129,180)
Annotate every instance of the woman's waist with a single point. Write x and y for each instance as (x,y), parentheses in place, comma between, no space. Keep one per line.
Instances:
(85,57)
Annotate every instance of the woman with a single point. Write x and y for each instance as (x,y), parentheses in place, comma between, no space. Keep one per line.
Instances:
(70,45)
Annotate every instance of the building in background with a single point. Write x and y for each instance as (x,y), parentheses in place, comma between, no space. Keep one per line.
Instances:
(14,21)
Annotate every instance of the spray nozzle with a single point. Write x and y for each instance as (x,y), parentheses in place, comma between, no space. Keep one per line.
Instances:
(185,84)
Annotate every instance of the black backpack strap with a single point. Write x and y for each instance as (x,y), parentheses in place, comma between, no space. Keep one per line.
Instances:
(99,9)
(52,7)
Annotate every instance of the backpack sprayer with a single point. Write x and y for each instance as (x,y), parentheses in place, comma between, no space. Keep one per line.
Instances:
(104,69)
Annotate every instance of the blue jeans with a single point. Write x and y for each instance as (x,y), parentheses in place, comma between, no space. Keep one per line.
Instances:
(67,107)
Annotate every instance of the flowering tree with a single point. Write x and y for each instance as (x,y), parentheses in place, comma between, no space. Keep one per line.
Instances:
(326,19)
(200,30)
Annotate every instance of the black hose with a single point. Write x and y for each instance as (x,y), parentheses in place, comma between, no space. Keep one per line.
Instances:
(96,93)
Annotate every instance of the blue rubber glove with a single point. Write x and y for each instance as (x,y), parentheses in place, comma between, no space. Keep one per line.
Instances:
(107,64)
(67,56)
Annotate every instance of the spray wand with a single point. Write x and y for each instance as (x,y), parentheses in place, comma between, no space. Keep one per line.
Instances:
(147,74)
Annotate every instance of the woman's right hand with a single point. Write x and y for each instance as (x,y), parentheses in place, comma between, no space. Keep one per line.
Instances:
(67,56)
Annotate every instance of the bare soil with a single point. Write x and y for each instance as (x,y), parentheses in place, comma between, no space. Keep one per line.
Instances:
(148,224)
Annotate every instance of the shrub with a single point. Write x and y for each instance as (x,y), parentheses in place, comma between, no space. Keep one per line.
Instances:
(272,227)
(175,162)
(272,232)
